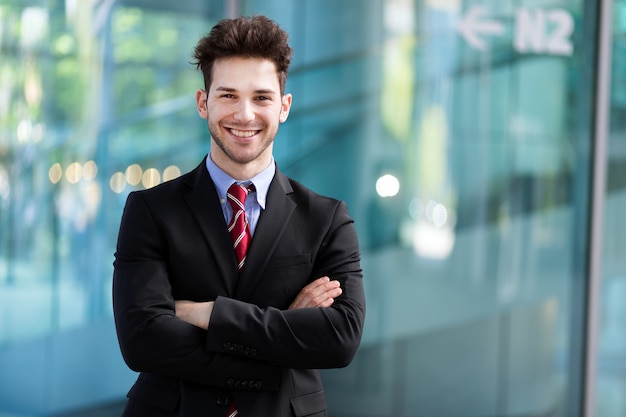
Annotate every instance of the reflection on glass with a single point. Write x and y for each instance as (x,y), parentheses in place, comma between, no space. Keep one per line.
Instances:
(150,178)
(55,173)
(73,172)
(171,172)
(387,186)
(117,182)
(89,170)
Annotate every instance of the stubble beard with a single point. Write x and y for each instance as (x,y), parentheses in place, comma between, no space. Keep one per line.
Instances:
(243,157)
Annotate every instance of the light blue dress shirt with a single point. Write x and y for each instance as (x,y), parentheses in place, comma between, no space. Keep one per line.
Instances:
(255,202)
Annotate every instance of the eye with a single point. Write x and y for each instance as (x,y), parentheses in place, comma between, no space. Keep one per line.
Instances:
(263,98)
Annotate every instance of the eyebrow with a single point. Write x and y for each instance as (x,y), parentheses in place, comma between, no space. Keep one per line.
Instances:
(233,90)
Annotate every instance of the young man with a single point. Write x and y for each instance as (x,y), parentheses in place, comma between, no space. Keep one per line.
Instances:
(219,324)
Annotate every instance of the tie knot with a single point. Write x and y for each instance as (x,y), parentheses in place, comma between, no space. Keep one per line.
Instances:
(237,194)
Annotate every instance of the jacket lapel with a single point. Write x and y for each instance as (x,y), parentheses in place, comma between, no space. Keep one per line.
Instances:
(269,230)
(205,207)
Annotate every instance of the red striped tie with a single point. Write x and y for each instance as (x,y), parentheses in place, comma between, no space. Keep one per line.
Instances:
(232,411)
(240,234)
(238,227)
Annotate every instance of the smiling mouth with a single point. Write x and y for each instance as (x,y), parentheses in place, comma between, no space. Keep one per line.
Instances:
(243,133)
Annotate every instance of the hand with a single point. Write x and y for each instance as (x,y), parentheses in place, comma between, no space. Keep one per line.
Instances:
(196,313)
(320,293)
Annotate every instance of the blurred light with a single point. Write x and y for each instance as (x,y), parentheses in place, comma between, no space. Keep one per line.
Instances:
(24,131)
(55,173)
(34,26)
(150,178)
(416,209)
(70,9)
(73,173)
(38,132)
(117,182)
(133,174)
(90,170)
(399,16)
(63,45)
(387,186)
(32,89)
(445,5)
(440,215)
(432,242)
(171,172)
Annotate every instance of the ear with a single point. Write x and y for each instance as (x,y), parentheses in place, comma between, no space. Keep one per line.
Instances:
(201,97)
(285,106)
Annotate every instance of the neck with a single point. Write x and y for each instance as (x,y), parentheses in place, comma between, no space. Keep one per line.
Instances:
(241,172)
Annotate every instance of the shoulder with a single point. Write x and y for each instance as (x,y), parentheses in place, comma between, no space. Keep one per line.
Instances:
(313,203)
(179,183)
(302,192)
(299,192)
(163,192)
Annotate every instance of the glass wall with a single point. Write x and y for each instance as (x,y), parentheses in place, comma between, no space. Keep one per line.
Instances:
(459,133)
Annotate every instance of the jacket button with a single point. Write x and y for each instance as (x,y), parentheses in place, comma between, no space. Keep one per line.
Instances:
(230,382)
(222,400)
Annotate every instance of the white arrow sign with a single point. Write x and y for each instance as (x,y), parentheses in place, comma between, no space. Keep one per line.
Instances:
(471,27)
(536,31)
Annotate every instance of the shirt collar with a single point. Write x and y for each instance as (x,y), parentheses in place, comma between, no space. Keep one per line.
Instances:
(261,181)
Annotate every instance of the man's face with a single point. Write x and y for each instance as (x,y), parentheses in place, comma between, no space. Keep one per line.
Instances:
(244,109)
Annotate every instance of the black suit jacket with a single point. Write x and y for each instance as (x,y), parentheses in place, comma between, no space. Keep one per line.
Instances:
(173,245)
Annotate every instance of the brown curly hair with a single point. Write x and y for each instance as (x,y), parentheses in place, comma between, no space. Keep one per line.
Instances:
(249,37)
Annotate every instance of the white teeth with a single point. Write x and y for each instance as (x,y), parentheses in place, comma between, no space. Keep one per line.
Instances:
(243,133)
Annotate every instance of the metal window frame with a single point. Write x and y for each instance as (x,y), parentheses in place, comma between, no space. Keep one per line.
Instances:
(598,197)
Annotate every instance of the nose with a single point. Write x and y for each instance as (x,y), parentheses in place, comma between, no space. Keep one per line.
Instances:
(244,111)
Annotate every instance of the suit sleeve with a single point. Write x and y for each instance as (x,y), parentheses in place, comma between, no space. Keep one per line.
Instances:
(302,338)
(151,337)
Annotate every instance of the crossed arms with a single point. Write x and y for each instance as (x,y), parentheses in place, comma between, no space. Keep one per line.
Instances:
(172,336)
(320,293)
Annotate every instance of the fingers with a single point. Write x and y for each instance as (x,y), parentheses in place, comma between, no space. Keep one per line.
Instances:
(319,293)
